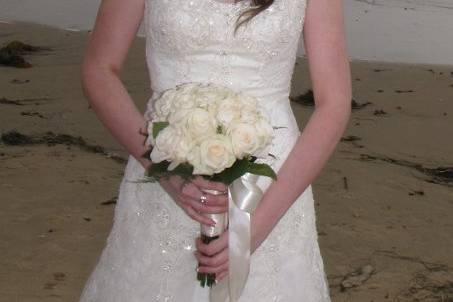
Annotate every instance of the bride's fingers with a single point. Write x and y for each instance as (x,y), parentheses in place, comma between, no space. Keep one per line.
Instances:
(207,209)
(215,200)
(214,270)
(213,262)
(214,247)
(197,216)
(221,275)
(189,189)
(202,207)
(191,193)
(205,184)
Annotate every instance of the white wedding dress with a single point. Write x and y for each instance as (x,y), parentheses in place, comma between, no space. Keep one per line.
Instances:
(149,252)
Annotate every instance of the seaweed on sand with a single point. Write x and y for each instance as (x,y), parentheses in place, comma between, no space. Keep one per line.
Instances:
(23,102)
(12,54)
(440,175)
(307,99)
(15,138)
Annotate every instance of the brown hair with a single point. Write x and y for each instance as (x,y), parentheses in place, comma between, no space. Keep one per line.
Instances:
(257,7)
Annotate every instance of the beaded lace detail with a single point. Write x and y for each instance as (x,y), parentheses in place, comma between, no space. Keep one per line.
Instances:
(194,40)
(149,252)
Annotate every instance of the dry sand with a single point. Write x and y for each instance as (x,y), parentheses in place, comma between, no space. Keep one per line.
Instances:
(377,208)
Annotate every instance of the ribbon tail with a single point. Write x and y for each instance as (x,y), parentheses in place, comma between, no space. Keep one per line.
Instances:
(243,197)
(239,249)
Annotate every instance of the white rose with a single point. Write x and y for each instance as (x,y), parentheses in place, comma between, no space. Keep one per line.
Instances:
(215,155)
(189,87)
(244,139)
(200,123)
(179,117)
(182,150)
(183,97)
(209,94)
(248,101)
(183,101)
(194,158)
(249,115)
(166,144)
(264,113)
(163,105)
(228,111)
(213,108)
(265,134)
(249,108)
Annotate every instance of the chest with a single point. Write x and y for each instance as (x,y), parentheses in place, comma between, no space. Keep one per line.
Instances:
(187,27)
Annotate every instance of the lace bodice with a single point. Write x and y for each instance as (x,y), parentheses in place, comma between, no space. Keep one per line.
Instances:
(190,40)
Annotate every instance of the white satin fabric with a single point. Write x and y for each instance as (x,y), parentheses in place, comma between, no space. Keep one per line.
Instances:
(149,252)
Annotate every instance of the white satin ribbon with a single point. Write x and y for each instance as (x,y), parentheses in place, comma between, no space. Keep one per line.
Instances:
(221,220)
(244,196)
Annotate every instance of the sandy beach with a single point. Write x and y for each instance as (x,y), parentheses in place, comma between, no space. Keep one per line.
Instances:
(384,202)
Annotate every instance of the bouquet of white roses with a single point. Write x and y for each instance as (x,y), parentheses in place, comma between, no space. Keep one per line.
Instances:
(209,130)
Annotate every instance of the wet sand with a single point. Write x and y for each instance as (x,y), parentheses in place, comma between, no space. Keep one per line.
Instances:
(384,203)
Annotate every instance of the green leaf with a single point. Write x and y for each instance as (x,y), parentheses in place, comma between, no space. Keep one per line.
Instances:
(228,175)
(261,169)
(157,127)
(147,154)
(184,170)
(239,168)
(160,170)
(157,170)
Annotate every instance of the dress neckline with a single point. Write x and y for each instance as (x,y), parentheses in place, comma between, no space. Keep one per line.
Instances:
(226,2)
(231,3)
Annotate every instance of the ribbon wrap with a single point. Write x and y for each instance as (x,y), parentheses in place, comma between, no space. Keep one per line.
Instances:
(243,198)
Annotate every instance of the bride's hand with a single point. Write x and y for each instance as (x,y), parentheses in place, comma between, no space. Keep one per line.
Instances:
(213,257)
(188,193)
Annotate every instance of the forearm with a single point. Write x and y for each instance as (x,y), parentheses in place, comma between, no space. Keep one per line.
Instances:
(115,109)
(305,161)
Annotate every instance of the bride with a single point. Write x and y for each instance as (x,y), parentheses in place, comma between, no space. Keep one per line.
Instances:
(152,252)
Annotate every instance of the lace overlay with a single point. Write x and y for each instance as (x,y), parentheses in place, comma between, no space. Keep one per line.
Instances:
(149,252)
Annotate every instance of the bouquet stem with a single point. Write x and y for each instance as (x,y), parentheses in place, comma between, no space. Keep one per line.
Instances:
(211,233)
(206,278)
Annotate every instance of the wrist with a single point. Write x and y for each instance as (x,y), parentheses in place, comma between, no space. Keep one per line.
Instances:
(146,163)
(256,235)
(262,222)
